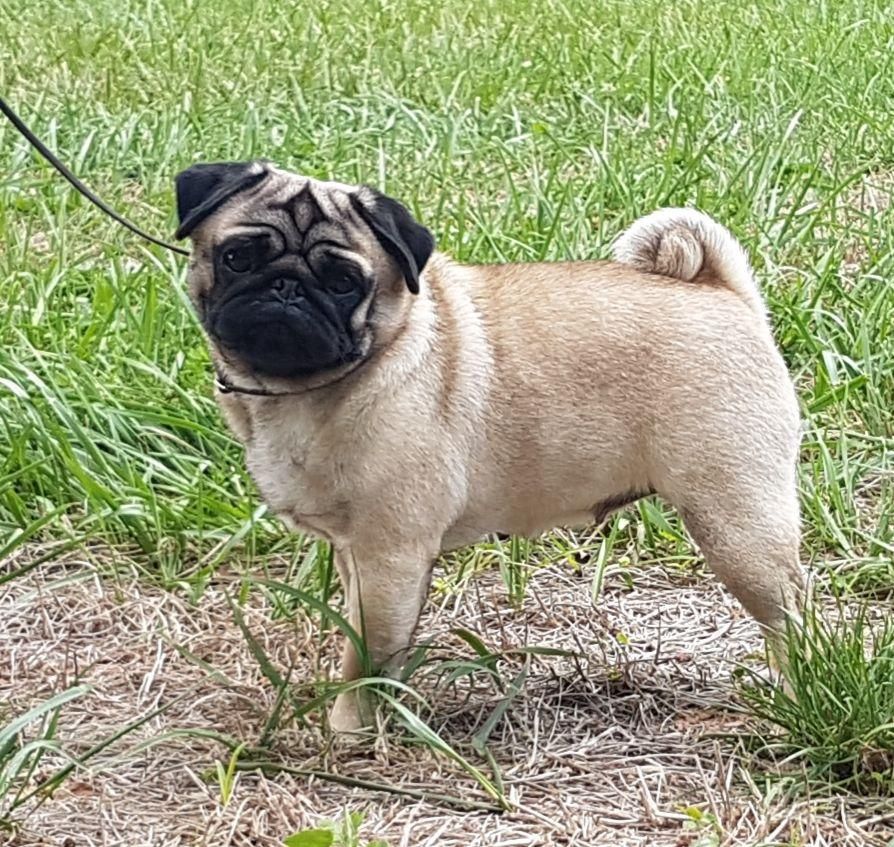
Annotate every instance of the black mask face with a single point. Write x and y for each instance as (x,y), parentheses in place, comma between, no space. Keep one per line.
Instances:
(282,313)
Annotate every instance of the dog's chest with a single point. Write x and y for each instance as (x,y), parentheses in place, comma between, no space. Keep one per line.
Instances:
(300,472)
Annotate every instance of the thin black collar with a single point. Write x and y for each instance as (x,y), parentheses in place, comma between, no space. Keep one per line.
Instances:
(224,386)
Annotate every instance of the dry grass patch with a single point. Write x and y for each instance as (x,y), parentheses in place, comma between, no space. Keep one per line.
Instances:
(629,741)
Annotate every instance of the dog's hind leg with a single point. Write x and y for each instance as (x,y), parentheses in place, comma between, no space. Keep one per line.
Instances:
(745,519)
(753,549)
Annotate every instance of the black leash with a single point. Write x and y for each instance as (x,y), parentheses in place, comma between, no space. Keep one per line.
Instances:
(44,151)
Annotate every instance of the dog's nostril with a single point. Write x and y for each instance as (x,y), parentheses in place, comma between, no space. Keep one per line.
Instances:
(288,289)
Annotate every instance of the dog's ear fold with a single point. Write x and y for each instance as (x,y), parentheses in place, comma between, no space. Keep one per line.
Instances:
(407,242)
(203,188)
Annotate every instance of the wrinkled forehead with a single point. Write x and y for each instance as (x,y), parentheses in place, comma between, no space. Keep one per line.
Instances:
(306,209)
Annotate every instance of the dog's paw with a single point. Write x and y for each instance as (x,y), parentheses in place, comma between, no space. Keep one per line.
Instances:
(771,676)
(758,677)
(352,714)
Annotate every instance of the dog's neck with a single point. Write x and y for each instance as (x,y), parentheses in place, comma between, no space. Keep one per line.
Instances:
(226,386)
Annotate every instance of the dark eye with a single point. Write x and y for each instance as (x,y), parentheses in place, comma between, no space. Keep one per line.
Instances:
(342,281)
(239,259)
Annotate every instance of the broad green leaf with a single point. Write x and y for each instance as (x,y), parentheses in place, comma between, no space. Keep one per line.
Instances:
(311,838)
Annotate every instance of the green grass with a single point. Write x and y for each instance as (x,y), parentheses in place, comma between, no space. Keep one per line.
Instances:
(343,833)
(20,759)
(516,131)
(838,716)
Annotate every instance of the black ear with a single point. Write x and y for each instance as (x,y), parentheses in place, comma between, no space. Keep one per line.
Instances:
(408,242)
(203,188)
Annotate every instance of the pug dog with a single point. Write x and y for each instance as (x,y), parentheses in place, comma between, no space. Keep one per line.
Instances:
(399,404)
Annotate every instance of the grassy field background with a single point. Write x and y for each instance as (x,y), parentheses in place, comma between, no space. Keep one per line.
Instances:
(516,131)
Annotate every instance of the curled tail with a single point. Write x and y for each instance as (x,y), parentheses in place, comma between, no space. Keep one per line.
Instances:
(689,245)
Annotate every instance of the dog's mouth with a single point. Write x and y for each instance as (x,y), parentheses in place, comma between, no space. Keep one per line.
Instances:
(283,333)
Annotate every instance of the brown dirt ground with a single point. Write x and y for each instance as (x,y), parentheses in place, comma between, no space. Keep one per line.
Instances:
(606,748)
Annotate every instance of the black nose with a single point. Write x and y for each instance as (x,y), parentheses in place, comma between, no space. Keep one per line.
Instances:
(288,289)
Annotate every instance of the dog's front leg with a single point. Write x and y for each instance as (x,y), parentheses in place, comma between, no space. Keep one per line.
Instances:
(384,593)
